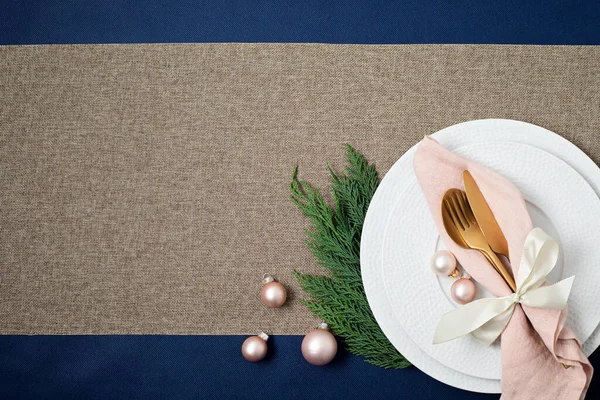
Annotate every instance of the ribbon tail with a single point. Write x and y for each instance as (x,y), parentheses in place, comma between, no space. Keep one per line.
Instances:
(552,297)
(489,332)
(470,317)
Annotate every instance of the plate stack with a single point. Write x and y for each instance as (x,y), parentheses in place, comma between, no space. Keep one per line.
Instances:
(561,186)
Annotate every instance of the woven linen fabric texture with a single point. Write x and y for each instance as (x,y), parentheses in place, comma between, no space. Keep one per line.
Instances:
(144,188)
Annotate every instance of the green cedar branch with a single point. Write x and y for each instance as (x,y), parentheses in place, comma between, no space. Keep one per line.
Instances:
(339,297)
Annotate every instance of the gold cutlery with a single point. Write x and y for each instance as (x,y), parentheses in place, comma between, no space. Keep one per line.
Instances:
(484,216)
(463,229)
(461,212)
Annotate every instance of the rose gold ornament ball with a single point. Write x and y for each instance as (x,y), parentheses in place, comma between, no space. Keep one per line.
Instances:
(443,263)
(463,291)
(273,294)
(319,346)
(254,348)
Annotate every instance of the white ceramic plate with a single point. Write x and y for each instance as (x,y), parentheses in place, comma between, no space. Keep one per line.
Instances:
(410,238)
(480,131)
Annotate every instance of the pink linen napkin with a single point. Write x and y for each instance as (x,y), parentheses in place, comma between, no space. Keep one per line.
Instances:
(535,342)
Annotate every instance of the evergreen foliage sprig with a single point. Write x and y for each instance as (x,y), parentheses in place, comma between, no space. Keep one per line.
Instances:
(339,297)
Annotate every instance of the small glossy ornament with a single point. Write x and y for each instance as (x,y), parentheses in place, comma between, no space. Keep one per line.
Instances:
(319,346)
(463,291)
(273,294)
(443,263)
(254,348)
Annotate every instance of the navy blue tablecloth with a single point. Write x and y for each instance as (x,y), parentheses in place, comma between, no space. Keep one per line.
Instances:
(350,21)
(160,367)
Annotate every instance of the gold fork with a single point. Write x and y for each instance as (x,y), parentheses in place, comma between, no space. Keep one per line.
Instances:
(462,227)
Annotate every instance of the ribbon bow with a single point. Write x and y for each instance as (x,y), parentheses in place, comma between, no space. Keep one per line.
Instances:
(486,318)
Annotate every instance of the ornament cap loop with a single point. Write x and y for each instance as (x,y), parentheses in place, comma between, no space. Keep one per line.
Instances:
(267,278)
(263,336)
(323,325)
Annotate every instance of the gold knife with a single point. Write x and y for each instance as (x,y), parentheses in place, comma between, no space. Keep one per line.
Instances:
(484,216)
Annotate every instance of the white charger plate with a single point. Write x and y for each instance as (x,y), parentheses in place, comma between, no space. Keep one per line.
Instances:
(410,238)
(479,131)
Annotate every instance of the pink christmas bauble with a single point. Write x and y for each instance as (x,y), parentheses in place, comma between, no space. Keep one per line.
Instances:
(273,294)
(463,291)
(254,348)
(319,346)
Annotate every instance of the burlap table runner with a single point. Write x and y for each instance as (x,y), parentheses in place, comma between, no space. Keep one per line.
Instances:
(144,188)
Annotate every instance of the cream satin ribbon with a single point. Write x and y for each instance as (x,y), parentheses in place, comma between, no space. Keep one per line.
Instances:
(486,318)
